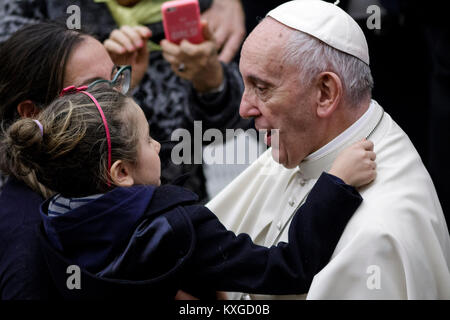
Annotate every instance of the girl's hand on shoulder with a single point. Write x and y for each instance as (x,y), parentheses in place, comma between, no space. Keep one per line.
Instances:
(356,165)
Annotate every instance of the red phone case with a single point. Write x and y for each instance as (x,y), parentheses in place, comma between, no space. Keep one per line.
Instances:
(181,20)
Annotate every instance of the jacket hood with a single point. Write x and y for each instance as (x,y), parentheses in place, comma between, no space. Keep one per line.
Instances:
(92,234)
(123,242)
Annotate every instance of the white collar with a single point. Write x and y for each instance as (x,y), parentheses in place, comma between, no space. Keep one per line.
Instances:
(321,160)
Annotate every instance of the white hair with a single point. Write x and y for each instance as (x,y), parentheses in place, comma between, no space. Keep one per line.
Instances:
(312,56)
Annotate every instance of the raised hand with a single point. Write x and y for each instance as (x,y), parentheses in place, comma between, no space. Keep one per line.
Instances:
(197,63)
(128,46)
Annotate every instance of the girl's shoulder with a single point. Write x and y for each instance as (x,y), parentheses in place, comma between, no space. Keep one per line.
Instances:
(170,196)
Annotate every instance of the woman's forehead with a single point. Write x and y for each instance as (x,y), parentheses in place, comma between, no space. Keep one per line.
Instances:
(88,60)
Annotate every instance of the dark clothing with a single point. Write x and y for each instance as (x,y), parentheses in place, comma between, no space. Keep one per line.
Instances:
(23,273)
(168,101)
(159,236)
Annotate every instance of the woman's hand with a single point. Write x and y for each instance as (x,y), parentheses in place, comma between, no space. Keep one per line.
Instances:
(198,63)
(128,46)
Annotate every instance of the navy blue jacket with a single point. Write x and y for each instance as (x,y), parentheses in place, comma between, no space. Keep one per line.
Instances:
(159,236)
(23,272)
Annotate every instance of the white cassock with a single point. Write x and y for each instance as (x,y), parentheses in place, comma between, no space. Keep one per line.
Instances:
(396,246)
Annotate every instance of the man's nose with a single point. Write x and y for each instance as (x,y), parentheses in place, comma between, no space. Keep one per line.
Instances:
(248,108)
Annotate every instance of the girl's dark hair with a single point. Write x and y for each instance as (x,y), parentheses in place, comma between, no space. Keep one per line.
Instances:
(32,65)
(71,156)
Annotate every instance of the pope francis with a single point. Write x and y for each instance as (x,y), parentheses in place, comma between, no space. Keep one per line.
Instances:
(306,74)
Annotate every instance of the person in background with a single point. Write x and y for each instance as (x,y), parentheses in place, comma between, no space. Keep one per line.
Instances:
(25,88)
(166,92)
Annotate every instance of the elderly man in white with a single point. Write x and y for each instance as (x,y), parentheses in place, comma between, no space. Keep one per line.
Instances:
(306,72)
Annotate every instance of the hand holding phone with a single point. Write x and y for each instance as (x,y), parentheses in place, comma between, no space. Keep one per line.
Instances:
(181,20)
(200,62)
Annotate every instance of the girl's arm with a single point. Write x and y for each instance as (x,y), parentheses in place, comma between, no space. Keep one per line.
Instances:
(224,261)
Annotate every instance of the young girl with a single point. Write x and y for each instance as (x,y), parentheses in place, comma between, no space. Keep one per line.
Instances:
(111,218)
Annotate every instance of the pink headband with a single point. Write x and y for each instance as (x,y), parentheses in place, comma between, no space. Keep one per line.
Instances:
(73,89)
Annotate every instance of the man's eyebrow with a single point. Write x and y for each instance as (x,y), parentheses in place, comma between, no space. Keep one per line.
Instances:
(258,80)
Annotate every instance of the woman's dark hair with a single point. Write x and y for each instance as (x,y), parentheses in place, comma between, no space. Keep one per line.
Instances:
(71,156)
(32,66)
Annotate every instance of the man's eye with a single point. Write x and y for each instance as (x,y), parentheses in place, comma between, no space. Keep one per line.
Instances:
(261,89)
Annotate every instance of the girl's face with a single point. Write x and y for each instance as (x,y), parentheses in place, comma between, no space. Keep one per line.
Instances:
(148,167)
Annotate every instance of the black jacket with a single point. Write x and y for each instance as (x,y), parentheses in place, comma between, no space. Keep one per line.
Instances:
(147,242)
(23,271)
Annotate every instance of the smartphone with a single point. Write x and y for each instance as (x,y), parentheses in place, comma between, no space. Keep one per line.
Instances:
(181,20)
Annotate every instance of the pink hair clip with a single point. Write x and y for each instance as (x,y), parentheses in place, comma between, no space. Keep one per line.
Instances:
(72,89)
(41,127)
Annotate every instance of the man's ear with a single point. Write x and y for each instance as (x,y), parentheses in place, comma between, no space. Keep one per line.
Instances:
(27,109)
(329,94)
(121,174)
